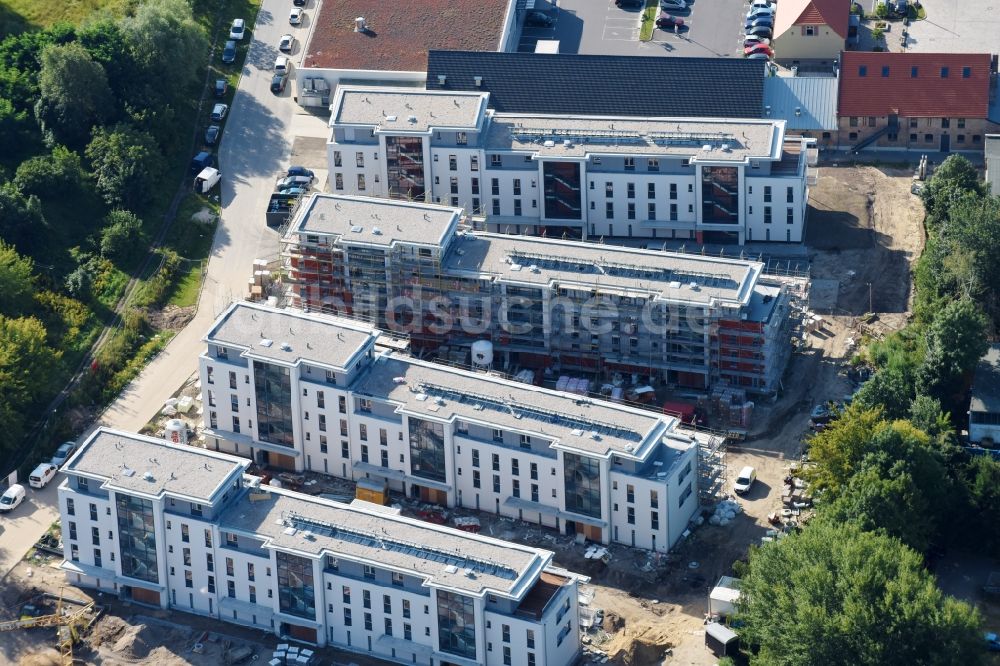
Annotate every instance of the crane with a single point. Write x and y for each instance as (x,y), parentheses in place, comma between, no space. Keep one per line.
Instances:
(66,624)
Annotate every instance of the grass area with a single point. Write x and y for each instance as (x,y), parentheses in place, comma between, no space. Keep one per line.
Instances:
(20,15)
(649,15)
(191,238)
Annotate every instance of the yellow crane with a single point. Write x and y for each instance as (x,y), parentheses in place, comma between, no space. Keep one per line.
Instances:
(67,625)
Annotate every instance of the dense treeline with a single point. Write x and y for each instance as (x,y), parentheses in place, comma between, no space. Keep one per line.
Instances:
(89,119)
(891,479)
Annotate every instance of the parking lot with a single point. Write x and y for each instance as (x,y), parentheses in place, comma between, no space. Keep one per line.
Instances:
(712,29)
(951,26)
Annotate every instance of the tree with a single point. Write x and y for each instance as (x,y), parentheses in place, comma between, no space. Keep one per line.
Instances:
(79,283)
(73,94)
(956,340)
(26,361)
(122,237)
(43,174)
(164,36)
(891,389)
(983,485)
(835,595)
(126,163)
(892,505)
(21,221)
(12,122)
(956,176)
(17,281)
(927,415)
(837,450)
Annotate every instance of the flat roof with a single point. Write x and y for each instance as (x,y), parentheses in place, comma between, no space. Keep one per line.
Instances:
(289,337)
(666,276)
(721,139)
(372,221)
(400,34)
(444,556)
(763,301)
(442,393)
(151,466)
(986,383)
(414,110)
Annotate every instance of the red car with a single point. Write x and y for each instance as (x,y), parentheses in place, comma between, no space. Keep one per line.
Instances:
(668,22)
(758,48)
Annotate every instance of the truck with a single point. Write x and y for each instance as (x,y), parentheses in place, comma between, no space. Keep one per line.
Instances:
(206,179)
(280,208)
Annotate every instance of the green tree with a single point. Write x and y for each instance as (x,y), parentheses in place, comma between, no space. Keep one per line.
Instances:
(956,340)
(80,283)
(983,486)
(17,281)
(12,122)
(835,595)
(927,415)
(47,174)
(126,164)
(74,94)
(164,36)
(955,177)
(122,238)
(837,450)
(891,389)
(21,221)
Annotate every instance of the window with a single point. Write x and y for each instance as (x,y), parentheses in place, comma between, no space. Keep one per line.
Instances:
(338,180)
(863,70)
(790,194)
(767,193)
(506,655)
(452,163)
(186,554)
(475,204)
(630,164)
(388,627)
(345,593)
(93,511)
(531,638)
(70,507)
(914,72)
(767,215)
(496,483)
(960,138)
(790,216)
(516,492)
(359,158)
(364,453)
(474,163)
(347,617)
(960,123)
(232,540)
(231,589)
(386,604)
(684,495)
(366,598)
(495,160)
(913,137)
(475,186)
(673,212)
(369,571)
(475,478)
(74,552)
(496,462)
(250,571)
(654,520)
(651,191)
(72,531)
(630,190)
(496,206)
(407,632)
(630,494)
(368,621)
(944,72)
(397,579)
(652,164)
(185,534)
(209,562)
(517,207)
(928,138)
(609,210)
(945,123)
(497,437)
(336,158)
(363,432)
(211,584)
(322,444)
(406,608)
(229,566)
(517,187)
(361,181)
(885,71)
(854,121)
(495,187)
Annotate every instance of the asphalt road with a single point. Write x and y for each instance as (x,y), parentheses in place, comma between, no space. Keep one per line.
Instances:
(255,145)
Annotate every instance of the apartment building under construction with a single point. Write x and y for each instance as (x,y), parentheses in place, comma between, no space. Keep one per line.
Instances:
(551,305)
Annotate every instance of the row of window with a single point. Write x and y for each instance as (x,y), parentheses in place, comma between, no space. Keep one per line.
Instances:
(927,138)
(915,72)
(945,123)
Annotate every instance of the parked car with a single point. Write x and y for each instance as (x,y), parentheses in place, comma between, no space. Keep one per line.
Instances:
(294,181)
(630,4)
(219,112)
(764,20)
(759,31)
(42,474)
(751,40)
(760,11)
(295,16)
(221,87)
(11,498)
(538,20)
(281,64)
(673,4)
(295,191)
(299,3)
(62,454)
(668,22)
(229,52)
(201,161)
(761,3)
(237,30)
(745,480)
(301,171)
(758,48)
(278,82)
(212,135)
(286,44)
(758,56)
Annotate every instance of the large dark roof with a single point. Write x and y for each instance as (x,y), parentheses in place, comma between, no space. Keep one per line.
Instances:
(605,85)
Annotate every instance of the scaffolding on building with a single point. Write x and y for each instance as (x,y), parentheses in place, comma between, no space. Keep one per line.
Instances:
(711,467)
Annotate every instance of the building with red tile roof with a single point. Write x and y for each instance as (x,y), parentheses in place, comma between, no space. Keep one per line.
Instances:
(393,45)
(925,101)
(810,30)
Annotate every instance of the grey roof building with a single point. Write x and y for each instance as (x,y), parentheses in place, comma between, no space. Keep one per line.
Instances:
(558,83)
(984,405)
(805,103)
(992,156)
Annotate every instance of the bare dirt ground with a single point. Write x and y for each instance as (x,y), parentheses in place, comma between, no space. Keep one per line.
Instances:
(864,228)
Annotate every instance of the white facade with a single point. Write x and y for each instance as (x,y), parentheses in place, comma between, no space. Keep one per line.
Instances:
(379,595)
(624,176)
(516,467)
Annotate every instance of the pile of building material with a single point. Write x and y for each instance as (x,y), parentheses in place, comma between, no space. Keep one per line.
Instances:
(569,384)
(730,408)
(290,654)
(725,512)
(260,282)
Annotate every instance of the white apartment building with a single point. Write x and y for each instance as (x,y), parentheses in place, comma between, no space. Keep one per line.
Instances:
(328,401)
(183,528)
(708,180)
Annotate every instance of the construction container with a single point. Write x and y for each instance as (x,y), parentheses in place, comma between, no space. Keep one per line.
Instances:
(372,490)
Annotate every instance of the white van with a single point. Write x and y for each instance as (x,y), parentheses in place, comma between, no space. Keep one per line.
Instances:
(44,473)
(12,498)
(745,480)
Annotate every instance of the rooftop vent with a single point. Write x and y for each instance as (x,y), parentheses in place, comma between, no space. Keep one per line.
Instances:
(576,433)
(707,147)
(376,231)
(129,472)
(266,343)
(357,229)
(693,285)
(451,568)
(798,110)
(549,143)
(441,79)
(567,142)
(478,80)
(674,284)
(286,347)
(360,25)
(390,119)
(725,147)
(148,476)
(767,110)
(594,434)
(399,380)
(290,531)
(469,573)
(533,268)
(412,118)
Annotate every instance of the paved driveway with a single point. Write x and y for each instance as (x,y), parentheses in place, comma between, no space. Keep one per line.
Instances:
(952,26)
(713,28)
(256,144)
(26,524)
